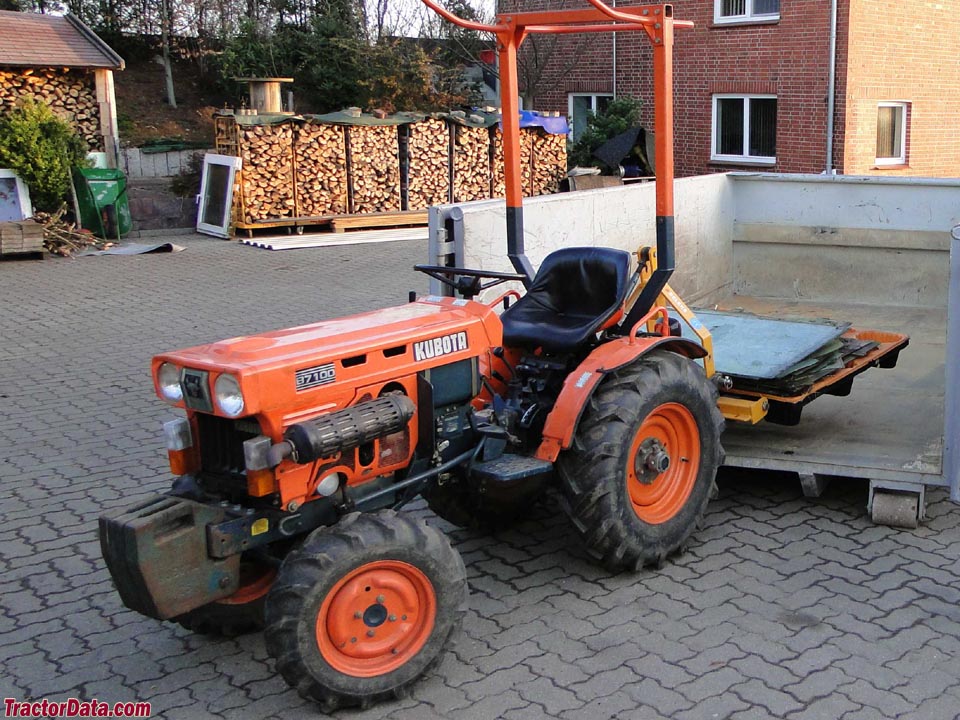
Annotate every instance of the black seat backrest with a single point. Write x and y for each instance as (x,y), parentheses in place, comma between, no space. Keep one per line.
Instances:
(575,291)
(582,281)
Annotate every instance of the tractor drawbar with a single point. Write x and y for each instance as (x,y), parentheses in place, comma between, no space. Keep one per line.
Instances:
(348,428)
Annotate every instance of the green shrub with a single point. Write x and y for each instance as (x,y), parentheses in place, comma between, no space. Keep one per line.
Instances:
(42,149)
(620,115)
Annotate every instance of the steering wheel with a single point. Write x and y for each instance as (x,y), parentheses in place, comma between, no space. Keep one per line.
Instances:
(469,283)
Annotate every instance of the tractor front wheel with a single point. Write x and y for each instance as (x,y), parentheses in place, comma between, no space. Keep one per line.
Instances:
(236,614)
(364,608)
(644,459)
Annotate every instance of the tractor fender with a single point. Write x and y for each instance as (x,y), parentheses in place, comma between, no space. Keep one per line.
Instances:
(583,381)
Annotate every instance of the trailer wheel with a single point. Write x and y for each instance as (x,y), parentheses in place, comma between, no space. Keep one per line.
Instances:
(642,467)
(237,614)
(364,608)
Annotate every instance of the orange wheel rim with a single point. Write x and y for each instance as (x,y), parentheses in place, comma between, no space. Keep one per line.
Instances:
(376,618)
(663,463)
(255,581)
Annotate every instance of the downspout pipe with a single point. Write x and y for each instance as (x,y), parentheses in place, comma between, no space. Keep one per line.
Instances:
(614,78)
(832,86)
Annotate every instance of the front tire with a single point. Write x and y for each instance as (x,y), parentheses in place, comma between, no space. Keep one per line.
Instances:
(364,608)
(239,613)
(644,459)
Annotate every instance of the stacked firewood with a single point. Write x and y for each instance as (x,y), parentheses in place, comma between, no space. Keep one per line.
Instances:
(321,175)
(374,168)
(471,163)
(527,136)
(71,94)
(549,162)
(267,155)
(428,146)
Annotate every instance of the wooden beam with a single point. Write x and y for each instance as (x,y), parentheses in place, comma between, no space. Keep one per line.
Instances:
(107,105)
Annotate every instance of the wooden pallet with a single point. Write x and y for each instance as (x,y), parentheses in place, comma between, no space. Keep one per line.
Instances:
(403,218)
(21,239)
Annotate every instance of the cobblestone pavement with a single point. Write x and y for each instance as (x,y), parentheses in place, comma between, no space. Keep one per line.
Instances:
(782,607)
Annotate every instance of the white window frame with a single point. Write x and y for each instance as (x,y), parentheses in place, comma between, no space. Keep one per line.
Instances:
(593,106)
(748,17)
(739,159)
(233,164)
(904,114)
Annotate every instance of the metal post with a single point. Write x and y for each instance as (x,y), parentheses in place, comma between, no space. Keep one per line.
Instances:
(510,117)
(951,397)
(663,129)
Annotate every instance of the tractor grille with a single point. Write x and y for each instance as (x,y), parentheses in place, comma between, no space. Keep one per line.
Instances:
(221,443)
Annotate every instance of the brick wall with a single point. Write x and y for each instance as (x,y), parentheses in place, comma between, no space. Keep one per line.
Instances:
(910,55)
(878,58)
(788,58)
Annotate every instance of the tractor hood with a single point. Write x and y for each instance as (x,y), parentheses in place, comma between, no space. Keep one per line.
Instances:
(287,368)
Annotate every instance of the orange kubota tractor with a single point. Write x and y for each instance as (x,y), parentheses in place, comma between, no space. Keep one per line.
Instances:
(299,446)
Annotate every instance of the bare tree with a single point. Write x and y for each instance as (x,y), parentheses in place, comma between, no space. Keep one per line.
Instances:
(165,24)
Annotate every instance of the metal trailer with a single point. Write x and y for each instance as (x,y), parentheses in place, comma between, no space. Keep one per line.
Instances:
(894,430)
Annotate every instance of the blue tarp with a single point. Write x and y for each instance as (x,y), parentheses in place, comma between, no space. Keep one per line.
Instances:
(553,125)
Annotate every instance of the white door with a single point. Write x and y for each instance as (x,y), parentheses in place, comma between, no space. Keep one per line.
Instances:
(216,194)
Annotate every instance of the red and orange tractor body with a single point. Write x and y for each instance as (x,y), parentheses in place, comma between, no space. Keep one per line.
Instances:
(296,448)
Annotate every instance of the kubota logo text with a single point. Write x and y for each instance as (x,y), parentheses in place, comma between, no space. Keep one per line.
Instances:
(435,347)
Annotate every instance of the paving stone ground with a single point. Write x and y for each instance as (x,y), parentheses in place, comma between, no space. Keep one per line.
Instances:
(783,607)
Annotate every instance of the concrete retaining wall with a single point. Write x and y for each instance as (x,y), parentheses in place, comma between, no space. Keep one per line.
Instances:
(136,164)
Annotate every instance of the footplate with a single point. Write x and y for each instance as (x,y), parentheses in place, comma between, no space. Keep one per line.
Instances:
(156,551)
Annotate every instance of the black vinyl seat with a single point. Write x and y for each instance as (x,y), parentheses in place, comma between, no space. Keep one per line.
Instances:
(575,292)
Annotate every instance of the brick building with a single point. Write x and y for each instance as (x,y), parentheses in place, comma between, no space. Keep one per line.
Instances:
(752,82)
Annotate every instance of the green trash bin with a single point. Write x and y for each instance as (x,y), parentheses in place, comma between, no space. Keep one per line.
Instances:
(102,197)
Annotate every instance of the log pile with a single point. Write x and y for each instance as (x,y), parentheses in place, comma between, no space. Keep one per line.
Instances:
(266,152)
(63,238)
(527,136)
(471,163)
(71,94)
(549,162)
(374,158)
(428,147)
(321,170)
(302,169)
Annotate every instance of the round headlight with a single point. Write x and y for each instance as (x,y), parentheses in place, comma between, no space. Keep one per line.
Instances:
(168,378)
(229,398)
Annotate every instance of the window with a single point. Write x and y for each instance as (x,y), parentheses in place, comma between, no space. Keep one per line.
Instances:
(892,133)
(580,105)
(216,194)
(745,129)
(739,11)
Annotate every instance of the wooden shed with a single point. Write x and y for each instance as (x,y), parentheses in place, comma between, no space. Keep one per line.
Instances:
(62,62)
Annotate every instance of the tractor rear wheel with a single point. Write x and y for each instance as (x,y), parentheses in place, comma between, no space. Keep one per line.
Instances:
(644,459)
(364,608)
(239,613)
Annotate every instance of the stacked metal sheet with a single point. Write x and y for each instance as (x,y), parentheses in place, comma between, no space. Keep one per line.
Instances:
(778,357)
